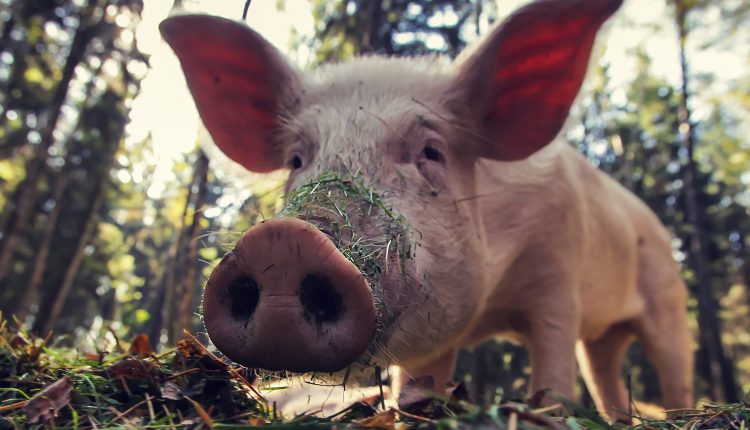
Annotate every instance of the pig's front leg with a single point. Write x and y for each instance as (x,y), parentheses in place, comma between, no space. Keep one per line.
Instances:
(551,340)
(440,369)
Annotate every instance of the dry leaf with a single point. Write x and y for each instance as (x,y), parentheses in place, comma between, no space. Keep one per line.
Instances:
(384,420)
(172,391)
(46,403)
(132,369)
(93,356)
(33,352)
(416,390)
(190,349)
(458,391)
(18,341)
(141,347)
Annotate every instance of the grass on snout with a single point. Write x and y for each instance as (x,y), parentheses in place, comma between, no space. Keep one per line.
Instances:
(340,204)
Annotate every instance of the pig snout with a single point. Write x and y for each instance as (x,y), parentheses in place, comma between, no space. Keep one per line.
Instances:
(286,299)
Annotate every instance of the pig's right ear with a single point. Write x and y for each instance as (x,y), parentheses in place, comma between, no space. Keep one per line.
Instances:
(241,85)
(521,82)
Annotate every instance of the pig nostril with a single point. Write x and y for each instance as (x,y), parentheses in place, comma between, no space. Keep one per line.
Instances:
(320,300)
(243,295)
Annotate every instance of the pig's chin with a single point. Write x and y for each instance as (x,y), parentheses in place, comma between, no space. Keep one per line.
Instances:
(421,323)
(406,333)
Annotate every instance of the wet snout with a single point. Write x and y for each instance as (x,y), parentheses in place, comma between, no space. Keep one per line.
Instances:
(287,299)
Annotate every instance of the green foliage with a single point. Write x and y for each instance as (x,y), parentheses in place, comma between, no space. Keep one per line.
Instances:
(353,27)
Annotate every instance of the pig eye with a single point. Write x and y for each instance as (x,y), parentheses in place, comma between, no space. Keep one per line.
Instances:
(432,153)
(296,162)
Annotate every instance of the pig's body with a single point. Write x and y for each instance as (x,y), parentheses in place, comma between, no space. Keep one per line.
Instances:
(580,225)
(473,225)
(585,259)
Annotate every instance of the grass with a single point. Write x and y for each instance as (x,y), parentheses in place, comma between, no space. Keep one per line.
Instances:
(189,387)
(341,205)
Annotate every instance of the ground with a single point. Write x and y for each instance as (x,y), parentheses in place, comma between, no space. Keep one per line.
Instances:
(189,387)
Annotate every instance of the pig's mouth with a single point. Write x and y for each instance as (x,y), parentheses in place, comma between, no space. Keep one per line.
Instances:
(307,293)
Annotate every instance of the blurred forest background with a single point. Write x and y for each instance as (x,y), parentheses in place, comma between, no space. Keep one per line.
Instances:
(90,251)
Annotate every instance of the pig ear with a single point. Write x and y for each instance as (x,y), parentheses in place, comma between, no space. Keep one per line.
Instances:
(522,81)
(241,85)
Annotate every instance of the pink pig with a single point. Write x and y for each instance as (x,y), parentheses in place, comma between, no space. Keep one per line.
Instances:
(504,233)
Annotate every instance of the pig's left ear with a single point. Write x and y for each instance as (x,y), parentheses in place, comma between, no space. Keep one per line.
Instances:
(521,82)
(240,83)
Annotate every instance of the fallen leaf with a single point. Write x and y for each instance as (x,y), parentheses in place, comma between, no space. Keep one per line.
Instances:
(18,341)
(190,349)
(132,369)
(416,391)
(93,356)
(361,409)
(33,352)
(384,420)
(141,347)
(172,391)
(458,391)
(46,403)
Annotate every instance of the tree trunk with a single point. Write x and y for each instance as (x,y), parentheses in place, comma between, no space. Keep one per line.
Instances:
(31,294)
(38,163)
(191,258)
(479,376)
(156,303)
(371,42)
(716,367)
(92,221)
(168,309)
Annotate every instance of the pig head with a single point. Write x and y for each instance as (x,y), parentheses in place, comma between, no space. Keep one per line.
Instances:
(427,210)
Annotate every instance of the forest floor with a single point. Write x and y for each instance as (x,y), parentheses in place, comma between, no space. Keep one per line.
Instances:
(188,387)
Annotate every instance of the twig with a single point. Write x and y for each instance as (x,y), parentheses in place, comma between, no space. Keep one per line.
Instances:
(416,417)
(119,415)
(12,406)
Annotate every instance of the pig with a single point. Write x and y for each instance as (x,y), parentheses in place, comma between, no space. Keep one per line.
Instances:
(430,207)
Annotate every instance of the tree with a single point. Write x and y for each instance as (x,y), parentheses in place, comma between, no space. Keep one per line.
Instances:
(64,105)
(403,27)
(715,365)
(199,187)
(26,195)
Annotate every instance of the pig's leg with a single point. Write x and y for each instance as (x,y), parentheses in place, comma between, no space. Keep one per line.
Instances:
(441,370)
(663,328)
(666,339)
(600,362)
(551,342)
